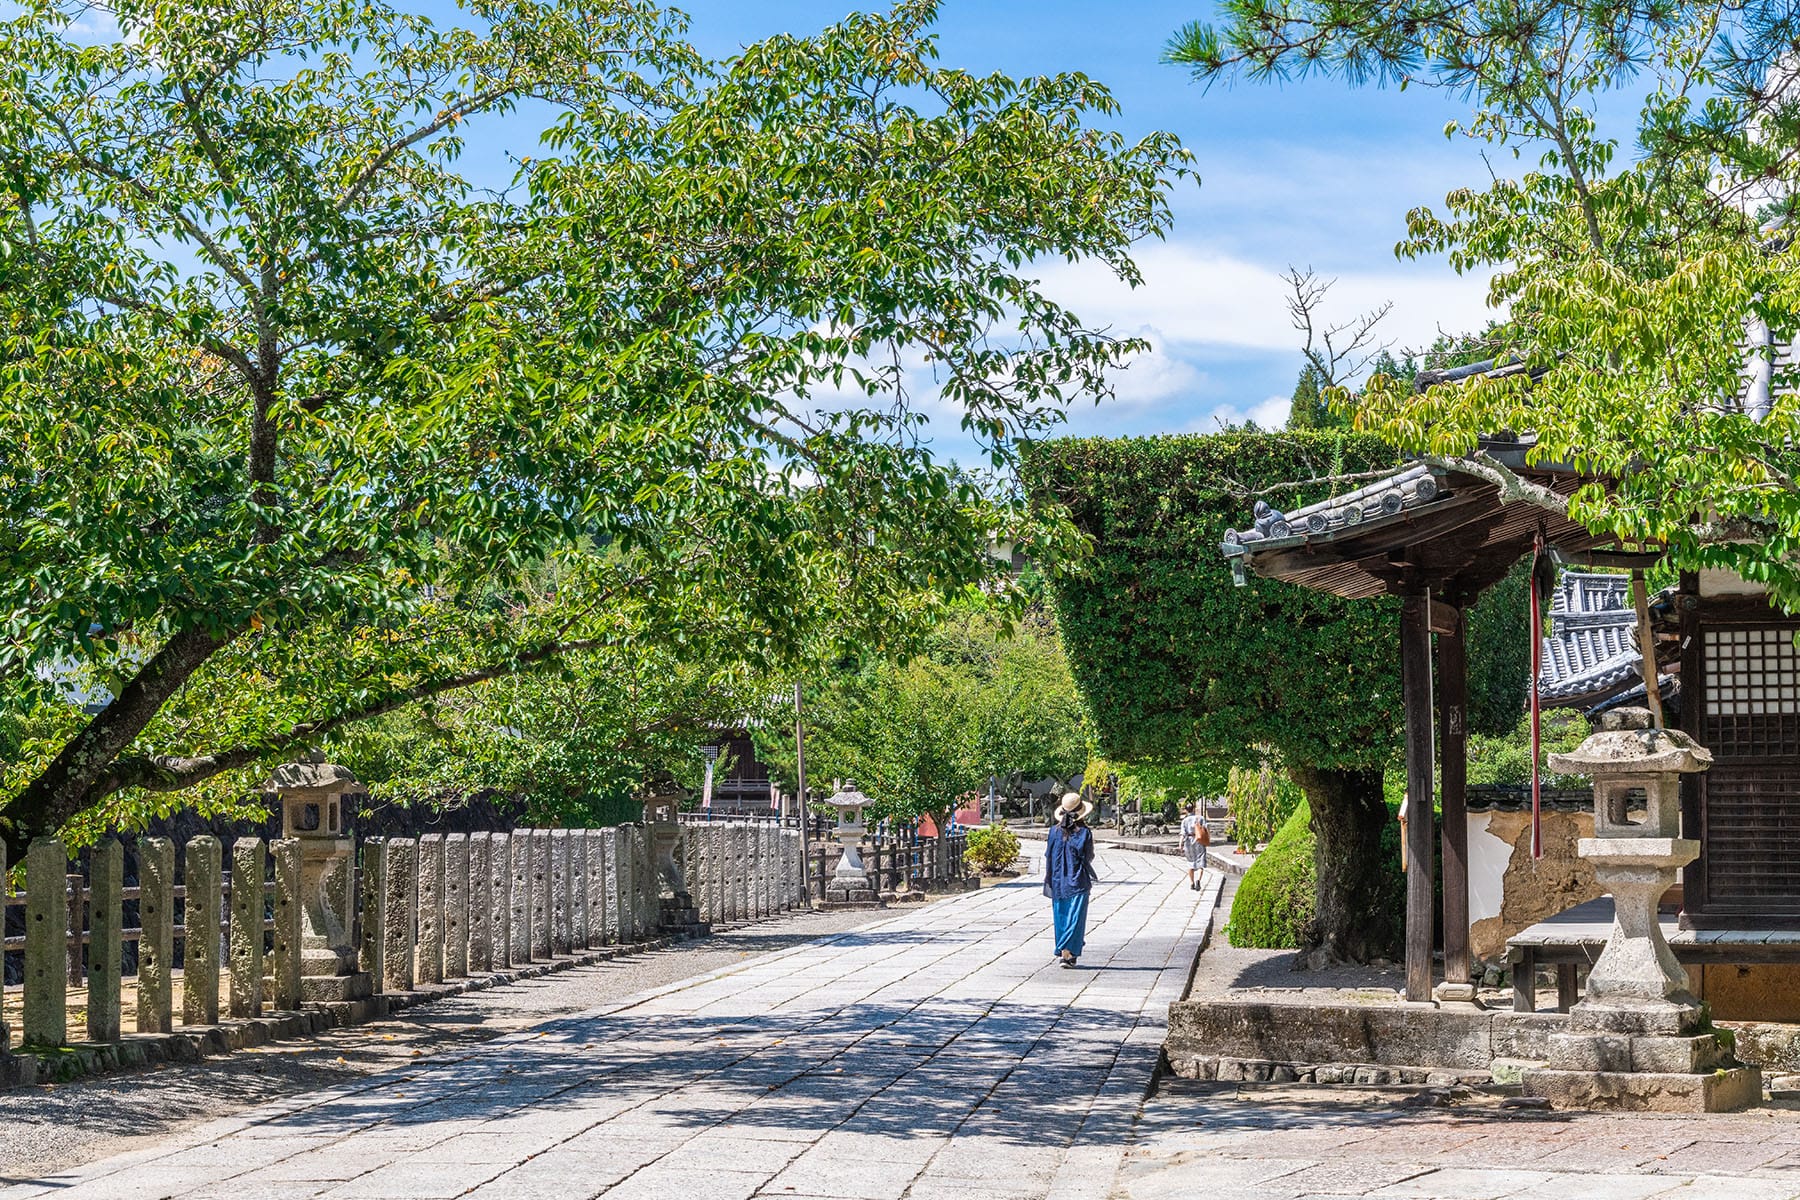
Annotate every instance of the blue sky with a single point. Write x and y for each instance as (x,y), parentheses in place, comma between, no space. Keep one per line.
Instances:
(1311,174)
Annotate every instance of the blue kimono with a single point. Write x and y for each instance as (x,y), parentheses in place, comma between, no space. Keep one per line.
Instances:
(1068,877)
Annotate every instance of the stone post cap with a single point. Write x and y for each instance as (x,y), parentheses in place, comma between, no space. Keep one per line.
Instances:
(1625,744)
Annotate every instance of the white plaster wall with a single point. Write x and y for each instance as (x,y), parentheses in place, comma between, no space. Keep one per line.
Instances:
(1717,581)
(1488,859)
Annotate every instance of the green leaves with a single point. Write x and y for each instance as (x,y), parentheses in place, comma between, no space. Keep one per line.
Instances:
(273,369)
(1174,663)
(1646,264)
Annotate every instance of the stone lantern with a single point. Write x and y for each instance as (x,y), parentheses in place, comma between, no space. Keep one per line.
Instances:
(314,797)
(661,809)
(849,884)
(1638,1038)
(675,905)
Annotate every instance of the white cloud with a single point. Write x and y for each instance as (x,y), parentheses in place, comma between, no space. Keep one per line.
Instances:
(1193,296)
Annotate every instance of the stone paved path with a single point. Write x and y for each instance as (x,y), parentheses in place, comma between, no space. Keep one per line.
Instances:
(938,1054)
(1275,1147)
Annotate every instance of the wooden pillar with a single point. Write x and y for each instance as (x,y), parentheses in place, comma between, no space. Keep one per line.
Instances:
(1453,769)
(1415,690)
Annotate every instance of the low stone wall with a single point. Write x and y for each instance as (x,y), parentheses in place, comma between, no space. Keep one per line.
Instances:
(1420,1039)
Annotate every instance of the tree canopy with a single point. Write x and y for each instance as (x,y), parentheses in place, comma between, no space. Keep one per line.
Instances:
(984,699)
(294,412)
(1644,252)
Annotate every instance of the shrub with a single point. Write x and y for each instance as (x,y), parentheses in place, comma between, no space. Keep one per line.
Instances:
(1275,899)
(992,848)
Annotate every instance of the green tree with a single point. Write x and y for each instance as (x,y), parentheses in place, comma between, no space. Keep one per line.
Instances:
(1310,408)
(290,407)
(984,699)
(1645,252)
(1177,665)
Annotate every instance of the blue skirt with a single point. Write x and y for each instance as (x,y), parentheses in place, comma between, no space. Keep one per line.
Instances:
(1068,917)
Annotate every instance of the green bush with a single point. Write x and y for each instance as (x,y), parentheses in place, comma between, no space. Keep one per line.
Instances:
(992,848)
(1275,899)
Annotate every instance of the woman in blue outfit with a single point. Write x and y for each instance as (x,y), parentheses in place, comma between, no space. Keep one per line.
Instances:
(1069,875)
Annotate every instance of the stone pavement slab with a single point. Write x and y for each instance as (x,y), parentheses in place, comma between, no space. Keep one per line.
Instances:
(938,1053)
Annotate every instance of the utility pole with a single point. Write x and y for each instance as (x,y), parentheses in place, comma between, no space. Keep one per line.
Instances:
(800,760)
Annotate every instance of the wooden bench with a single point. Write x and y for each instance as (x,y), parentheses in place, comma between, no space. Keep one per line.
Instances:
(1573,939)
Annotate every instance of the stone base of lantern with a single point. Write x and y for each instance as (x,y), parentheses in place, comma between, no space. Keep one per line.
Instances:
(336,989)
(850,893)
(1647,1091)
(677,917)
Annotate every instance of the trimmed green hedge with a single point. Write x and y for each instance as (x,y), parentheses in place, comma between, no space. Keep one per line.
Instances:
(1275,899)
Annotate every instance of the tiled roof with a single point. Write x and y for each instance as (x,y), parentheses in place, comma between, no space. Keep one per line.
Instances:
(1406,489)
(1592,646)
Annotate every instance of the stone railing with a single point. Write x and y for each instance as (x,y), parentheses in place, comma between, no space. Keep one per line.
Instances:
(154,939)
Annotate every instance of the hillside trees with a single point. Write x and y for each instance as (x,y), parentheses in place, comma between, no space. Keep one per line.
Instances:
(292,406)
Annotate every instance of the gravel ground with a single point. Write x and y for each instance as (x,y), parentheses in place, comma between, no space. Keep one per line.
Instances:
(54,1126)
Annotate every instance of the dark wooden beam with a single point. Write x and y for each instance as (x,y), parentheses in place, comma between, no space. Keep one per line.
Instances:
(1453,769)
(1415,691)
(1446,619)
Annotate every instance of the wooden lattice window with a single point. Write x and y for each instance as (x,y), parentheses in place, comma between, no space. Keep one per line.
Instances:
(1752,700)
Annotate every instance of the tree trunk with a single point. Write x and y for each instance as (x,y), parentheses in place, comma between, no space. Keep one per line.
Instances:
(1352,921)
(64,787)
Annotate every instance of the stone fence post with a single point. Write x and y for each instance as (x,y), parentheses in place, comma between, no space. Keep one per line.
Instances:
(621,844)
(156,940)
(46,1020)
(456,906)
(285,962)
(106,945)
(596,887)
(247,900)
(718,870)
(374,918)
(613,927)
(649,881)
(484,900)
(519,855)
(560,917)
(430,964)
(200,942)
(540,894)
(578,902)
(500,902)
(399,916)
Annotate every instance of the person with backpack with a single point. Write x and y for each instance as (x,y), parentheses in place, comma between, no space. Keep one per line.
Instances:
(1195,838)
(1069,875)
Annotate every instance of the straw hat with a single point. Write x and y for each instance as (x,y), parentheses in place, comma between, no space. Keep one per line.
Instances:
(1072,803)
